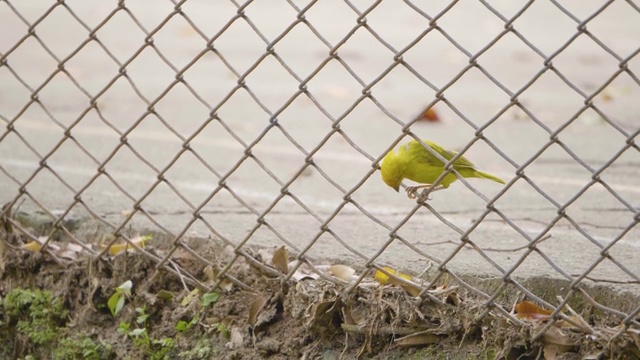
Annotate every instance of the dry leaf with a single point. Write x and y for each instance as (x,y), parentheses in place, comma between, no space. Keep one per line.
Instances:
(139,241)
(555,336)
(529,310)
(212,274)
(430,115)
(193,295)
(576,319)
(418,339)
(551,351)
(450,292)
(413,290)
(209,273)
(342,272)
(635,335)
(236,340)
(346,316)
(69,251)
(280,260)
(256,307)
(303,272)
(165,295)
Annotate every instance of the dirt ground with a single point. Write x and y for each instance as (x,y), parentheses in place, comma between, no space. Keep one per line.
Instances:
(54,309)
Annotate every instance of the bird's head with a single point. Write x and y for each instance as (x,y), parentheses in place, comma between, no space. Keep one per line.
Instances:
(391,170)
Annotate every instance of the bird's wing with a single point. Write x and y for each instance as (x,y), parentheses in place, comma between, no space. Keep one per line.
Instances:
(425,156)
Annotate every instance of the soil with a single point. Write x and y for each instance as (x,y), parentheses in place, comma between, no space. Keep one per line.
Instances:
(259,315)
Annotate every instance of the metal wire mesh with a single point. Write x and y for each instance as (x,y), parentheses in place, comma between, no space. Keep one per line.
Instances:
(265,124)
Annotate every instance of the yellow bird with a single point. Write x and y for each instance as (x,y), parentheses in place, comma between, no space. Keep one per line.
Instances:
(412,161)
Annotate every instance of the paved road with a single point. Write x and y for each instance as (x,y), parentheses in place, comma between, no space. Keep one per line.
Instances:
(402,95)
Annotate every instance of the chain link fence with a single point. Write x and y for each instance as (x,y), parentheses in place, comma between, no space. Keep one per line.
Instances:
(265,124)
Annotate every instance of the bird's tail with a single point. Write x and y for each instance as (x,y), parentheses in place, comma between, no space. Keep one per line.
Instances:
(484,175)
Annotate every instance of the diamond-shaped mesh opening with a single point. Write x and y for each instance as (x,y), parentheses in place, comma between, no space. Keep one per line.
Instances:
(31,62)
(243,117)
(526,62)
(271,84)
(551,108)
(91,68)
(302,61)
(240,45)
(62,100)
(343,19)
(558,29)
(623,17)
(130,172)
(120,203)
(185,119)
(416,95)
(334,88)
(122,47)
(275,25)
(327,160)
(178,41)
(33,124)
(47,181)
(149,18)
(387,15)
(150,73)
(435,58)
(279,155)
(59,24)
(208,22)
(315,122)
(365,55)
(583,56)
(470,14)
(476,97)
(149,131)
(14,30)
(14,94)
(120,105)
(71,163)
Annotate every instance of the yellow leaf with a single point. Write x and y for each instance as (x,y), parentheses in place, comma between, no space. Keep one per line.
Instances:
(32,246)
(384,279)
(190,297)
(140,241)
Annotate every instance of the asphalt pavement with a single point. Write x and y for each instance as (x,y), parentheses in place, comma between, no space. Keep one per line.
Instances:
(591,217)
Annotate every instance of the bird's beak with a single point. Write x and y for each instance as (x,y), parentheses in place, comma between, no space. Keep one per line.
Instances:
(397,188)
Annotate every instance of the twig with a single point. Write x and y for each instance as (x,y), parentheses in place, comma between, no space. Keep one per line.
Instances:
(577,319)
(179,275)
(383,330)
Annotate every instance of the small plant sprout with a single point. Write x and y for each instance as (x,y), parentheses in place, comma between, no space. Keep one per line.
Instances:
(116,301)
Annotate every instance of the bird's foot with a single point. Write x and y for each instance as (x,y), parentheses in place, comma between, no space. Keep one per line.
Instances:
(412,191)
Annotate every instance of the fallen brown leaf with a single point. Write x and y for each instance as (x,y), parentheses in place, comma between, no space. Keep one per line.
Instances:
(418,339)
(256,307)
(529,310)
(280,260)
